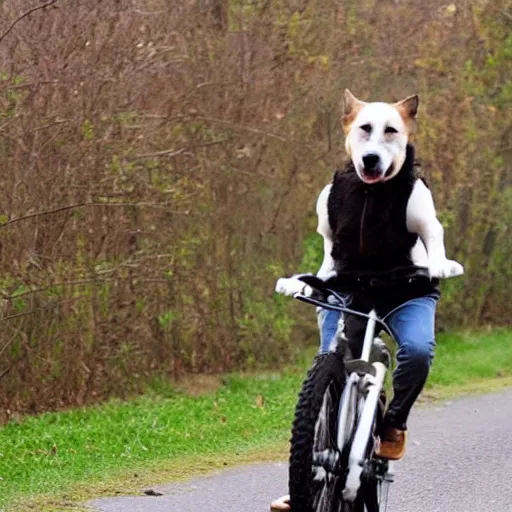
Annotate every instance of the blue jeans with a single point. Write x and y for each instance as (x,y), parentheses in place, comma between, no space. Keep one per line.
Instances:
(412,324)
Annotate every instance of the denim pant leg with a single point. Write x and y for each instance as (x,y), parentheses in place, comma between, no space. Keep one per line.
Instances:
(328,324)
(412,324)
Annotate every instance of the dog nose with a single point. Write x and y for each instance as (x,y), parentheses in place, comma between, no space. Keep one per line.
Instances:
(370,161)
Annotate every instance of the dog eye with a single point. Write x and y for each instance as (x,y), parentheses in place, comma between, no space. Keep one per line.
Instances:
(390,129)
(366,128)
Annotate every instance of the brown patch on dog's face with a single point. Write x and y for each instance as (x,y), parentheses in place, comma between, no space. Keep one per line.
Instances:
(408,110)
(351,107)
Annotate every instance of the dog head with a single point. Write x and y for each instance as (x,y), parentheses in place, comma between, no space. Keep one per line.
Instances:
(377,135)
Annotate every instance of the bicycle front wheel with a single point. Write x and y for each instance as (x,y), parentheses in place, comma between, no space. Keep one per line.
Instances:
(315,480)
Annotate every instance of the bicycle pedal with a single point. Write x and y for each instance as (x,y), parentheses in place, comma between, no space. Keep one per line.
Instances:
(387,477)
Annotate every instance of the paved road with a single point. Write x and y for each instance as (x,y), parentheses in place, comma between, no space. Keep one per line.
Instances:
(459,460)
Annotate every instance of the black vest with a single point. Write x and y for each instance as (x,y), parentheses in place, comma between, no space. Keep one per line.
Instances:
(368,222)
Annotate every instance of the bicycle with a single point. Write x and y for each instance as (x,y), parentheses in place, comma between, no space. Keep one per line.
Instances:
(341,406)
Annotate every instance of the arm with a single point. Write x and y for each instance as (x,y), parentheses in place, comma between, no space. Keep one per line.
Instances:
(324,229)
(292,285)
(422,220)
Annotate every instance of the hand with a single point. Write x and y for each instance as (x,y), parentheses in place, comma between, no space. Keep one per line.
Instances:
(292,285)
(444,268)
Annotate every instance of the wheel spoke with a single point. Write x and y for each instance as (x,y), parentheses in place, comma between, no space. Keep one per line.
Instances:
(325,499)
(383,496)
(323,428)
(316,467)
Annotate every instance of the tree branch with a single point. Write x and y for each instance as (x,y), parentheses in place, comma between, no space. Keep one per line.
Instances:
(80,205)
(24,15)
(242,127)
(221,121)
(9,85)
(4,348)
(6,371)
(44,308)
(171,153)
(78,282)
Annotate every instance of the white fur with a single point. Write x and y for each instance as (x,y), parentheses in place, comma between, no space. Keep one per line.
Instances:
(419,255)
(324,229)
(390,147)
(292,285)
(422,220)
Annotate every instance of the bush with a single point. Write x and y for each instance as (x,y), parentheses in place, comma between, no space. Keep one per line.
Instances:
(161,165)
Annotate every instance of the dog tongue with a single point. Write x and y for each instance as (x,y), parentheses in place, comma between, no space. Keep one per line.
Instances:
(371,178)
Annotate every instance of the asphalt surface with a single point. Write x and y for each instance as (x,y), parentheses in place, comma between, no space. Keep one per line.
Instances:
(459,459)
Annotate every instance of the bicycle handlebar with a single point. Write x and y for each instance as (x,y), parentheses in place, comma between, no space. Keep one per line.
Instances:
(353,281)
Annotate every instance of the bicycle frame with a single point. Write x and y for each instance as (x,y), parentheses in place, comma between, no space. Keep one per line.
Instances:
(367,388)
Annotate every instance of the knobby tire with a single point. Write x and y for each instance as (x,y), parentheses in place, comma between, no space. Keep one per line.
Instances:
(327,373)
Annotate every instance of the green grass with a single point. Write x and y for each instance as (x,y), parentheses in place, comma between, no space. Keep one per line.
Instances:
(96,450)
(471,357)
(46,454)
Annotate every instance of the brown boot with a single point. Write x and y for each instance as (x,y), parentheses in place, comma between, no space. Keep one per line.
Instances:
(282,504)
(392,444)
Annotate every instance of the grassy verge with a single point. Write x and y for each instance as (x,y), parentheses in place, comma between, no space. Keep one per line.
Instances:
(60,458)
(464,358)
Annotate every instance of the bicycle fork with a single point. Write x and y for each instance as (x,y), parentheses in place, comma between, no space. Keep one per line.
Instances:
(373,386)
(369,386)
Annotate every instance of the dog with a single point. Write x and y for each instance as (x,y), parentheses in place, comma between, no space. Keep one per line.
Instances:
(377,137)
(379,197)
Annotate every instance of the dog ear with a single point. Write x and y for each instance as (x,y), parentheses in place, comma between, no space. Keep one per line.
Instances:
(408,108)
(351,106)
